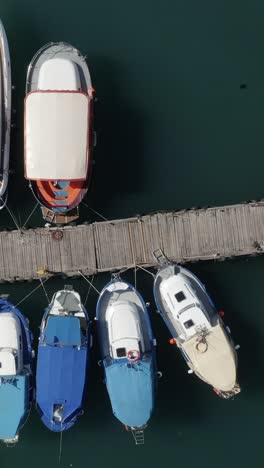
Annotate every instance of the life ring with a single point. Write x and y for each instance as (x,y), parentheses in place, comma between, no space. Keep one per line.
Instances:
(133,355)
(57,235)
(202,346)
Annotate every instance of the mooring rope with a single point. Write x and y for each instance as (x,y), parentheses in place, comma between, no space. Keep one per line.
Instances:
(95,212)
(147,271)
(13,218)
(44,289)
(89,289)
(28,295)
(89,282)
(31,214)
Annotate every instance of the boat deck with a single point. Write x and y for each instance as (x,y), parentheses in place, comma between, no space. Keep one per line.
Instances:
(183,236)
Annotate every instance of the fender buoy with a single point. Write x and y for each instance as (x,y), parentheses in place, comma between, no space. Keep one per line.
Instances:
(172,341)
(91,92)
(133,355)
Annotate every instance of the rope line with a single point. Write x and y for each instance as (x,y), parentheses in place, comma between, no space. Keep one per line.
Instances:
(60,447)
(28,218)
(28,295)
(147,271)
(89,282)
(89,289)
(96,212)
(13,218)
(44,289)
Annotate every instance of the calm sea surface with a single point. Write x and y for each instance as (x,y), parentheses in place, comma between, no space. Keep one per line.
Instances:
(180,123)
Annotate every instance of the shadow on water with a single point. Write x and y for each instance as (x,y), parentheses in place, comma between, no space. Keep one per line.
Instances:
(119,160)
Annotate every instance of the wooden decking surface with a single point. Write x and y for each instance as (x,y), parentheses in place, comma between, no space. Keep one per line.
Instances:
(183,236)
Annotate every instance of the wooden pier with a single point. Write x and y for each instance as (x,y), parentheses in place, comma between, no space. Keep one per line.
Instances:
(183,236)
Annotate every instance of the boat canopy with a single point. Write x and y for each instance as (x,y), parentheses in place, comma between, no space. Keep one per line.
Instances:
(131,390)
(56,135)
(214,360)
(61,378)
(14,393)
(63,331)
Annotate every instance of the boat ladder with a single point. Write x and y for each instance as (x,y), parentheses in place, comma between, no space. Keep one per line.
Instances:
(160,256)
(49,216)
(138,435)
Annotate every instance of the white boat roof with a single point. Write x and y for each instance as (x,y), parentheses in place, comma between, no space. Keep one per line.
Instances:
(123,321)
(124,328)
(7,362)
(59,74)
(10,329)
(56,135)
(185,308)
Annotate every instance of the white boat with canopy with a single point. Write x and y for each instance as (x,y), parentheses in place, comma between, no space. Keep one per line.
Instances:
(58,130)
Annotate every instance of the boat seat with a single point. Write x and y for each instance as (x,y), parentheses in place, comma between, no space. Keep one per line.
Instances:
(59,74)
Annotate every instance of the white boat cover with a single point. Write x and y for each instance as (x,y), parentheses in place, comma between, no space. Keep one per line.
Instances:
(217,364)
(56,135)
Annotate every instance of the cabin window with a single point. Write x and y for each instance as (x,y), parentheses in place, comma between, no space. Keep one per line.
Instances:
(188,324)
(121,352)
(180,296)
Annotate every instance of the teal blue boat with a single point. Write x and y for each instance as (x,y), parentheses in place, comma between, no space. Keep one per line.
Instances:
(128,355)
(16,391)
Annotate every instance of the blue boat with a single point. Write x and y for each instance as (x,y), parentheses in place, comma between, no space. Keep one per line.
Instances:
(197,328)
(63,357)
(16,390)
(128,355)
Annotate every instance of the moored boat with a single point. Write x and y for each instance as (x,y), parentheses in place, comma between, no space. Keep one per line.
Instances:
(63,357)
(128,355)
(58,130)
(197,328)
(5,114)
(16,391)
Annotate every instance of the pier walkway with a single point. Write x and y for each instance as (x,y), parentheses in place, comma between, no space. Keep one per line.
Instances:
(183,236)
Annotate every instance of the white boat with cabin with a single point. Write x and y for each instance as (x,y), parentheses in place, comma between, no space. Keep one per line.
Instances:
(197,328)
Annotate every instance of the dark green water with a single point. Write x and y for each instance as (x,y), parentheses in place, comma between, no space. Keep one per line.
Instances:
(175,129)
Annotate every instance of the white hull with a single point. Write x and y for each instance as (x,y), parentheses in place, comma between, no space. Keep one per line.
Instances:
(5,94)
(197,328)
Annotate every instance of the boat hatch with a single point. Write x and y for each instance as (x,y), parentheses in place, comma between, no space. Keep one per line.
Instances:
(121,352)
